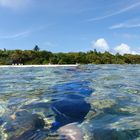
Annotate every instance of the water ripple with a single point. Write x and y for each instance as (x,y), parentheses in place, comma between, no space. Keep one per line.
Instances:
(102,100)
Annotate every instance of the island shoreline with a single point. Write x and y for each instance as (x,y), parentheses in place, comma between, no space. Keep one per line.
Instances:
(28,66)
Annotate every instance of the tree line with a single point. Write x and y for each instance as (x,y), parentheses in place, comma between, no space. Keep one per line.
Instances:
(37,56)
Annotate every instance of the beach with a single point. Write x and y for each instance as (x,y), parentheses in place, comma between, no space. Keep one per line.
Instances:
(28,66)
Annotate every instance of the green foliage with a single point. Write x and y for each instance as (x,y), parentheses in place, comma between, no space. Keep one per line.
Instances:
(8,57)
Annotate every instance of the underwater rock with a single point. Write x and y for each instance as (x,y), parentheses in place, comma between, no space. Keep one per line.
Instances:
(34,120)
(72,108)
(80,87)
(101,104)
(32,135)
(30,119)
(71,132)
(22,122)
(113,134)
(132,91)
(69,111)
(108,127)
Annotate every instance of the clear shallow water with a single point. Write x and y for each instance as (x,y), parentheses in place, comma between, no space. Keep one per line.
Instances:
(103,100)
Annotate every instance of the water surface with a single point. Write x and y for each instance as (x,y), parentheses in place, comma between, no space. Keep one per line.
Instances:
(102,100)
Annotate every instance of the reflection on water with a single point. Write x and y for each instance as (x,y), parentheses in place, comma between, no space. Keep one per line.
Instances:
(92,102)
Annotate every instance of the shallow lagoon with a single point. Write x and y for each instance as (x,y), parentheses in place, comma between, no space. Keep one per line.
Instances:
(103,102)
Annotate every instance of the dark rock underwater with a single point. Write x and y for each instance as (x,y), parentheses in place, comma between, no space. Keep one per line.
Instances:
(72,108)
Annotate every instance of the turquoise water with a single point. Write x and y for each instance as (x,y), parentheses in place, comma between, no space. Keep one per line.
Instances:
(102,100)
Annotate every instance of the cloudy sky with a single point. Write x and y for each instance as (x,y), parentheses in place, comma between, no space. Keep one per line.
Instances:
(71,25)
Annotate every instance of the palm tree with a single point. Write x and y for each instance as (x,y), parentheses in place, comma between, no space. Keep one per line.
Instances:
(36,48)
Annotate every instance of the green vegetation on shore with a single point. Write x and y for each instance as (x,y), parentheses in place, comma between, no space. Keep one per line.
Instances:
(35,56)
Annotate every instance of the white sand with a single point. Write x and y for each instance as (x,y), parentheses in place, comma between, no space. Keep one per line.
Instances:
(26,66)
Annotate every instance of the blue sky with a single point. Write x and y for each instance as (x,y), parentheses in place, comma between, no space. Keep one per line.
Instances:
(71,25)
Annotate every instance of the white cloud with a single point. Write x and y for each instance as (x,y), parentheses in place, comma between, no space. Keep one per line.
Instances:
(123,25)
(14,4)
(123,49)
(125,9)
(22,33)
(101,45)
(128,24)
(17,35)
